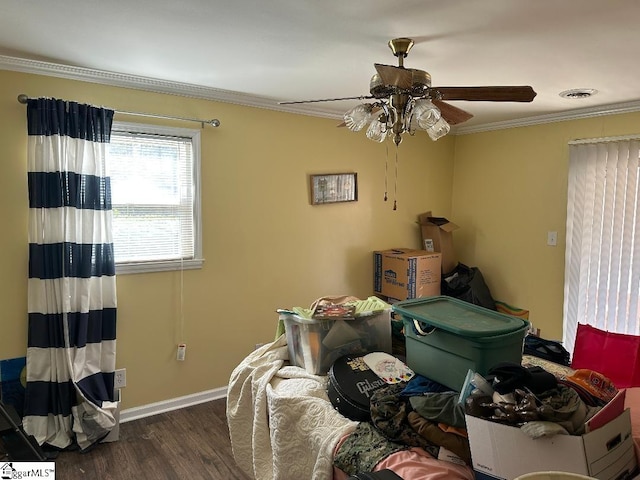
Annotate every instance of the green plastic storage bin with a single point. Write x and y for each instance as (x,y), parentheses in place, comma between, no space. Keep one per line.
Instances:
(446,337)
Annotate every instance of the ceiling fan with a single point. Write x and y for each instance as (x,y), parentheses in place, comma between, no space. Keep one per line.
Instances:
(405,101)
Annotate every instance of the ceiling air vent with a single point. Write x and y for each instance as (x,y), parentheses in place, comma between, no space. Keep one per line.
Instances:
(578,93)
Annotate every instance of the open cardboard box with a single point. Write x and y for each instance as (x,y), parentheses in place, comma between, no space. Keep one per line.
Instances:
(437,237)
(605,452)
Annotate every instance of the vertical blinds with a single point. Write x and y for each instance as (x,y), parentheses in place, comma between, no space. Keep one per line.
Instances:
(602,258)
(152,196)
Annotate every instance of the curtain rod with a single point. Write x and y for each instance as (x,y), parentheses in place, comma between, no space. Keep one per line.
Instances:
(214,122)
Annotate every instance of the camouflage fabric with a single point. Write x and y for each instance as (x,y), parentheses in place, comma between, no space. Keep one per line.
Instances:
(363,449)
(389,413)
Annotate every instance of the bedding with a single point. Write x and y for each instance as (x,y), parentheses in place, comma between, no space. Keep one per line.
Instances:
(282,425)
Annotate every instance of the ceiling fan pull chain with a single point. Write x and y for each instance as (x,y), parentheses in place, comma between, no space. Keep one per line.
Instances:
(386,169)
(395,186)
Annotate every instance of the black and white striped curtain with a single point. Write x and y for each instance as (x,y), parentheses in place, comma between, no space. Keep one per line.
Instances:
(72,284)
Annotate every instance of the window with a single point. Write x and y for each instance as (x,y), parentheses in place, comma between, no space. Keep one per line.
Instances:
(602,258)
(155,192)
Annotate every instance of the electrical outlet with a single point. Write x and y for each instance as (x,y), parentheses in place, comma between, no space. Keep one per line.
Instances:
(120,378)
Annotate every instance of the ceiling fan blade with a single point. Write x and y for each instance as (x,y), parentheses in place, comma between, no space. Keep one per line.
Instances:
(488,94)
(361,97)
(396,76)
(453,115)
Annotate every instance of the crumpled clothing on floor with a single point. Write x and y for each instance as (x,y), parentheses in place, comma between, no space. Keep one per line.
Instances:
(389,415)
(509,376)
(557,411)
(537,429)
(564,406)
(433,433)
(593,387)
(419,385)
(363,449)
(440,408)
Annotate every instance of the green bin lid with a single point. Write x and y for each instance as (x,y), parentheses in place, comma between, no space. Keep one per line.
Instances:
(457,316)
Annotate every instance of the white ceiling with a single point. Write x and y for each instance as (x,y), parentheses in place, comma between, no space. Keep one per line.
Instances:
(311,49)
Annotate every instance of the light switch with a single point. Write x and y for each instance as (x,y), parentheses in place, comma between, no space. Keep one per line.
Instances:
(552,238)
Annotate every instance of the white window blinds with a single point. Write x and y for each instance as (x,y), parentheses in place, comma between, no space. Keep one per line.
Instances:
(602,258)
(153,196)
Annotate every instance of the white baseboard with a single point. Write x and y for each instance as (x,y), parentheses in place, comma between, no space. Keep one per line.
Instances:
(172,404)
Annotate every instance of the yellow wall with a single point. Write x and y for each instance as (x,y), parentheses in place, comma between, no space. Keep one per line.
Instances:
(509,190)
(265,246)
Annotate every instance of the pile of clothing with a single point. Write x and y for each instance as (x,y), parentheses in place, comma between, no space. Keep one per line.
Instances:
(425,414)
(538,402)
(418,413)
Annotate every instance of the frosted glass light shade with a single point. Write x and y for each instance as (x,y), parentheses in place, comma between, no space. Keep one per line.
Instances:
(425,114)
(356,118)
(377,131)
(439,129)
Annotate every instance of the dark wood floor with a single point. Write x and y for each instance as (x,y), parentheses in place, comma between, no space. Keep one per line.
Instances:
(191,443)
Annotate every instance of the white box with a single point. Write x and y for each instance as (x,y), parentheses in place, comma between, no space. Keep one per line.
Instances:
(504,452)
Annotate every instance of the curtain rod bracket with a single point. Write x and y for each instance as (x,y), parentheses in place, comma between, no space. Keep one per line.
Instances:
(214,122)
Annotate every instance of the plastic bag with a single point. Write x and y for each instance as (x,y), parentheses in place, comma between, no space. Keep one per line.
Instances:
(614,355)
(467,284)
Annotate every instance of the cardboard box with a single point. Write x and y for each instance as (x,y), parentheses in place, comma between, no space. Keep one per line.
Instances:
(632,401)
(503,452)
(437,237)
(405,273)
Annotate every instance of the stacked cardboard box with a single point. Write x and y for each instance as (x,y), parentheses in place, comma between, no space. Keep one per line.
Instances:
(404,273)
(437,237)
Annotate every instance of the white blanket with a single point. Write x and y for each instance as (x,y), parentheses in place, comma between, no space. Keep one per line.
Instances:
(281,423)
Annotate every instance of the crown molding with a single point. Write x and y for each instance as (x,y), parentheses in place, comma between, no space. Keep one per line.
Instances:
(579,113)
(208,93)
(146,83)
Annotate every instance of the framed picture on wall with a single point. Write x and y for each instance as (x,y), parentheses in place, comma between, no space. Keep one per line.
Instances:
(333,188)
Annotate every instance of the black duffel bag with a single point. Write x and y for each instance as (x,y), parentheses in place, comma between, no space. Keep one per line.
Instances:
(467,284)
(546,349)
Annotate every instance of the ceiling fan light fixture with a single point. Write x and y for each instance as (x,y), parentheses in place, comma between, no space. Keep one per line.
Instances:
(358,117)
(377,130)
(438,129)
(425,114)
(420,82)
(398,91)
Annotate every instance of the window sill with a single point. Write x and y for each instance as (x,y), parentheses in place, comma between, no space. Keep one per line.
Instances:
(166,266)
